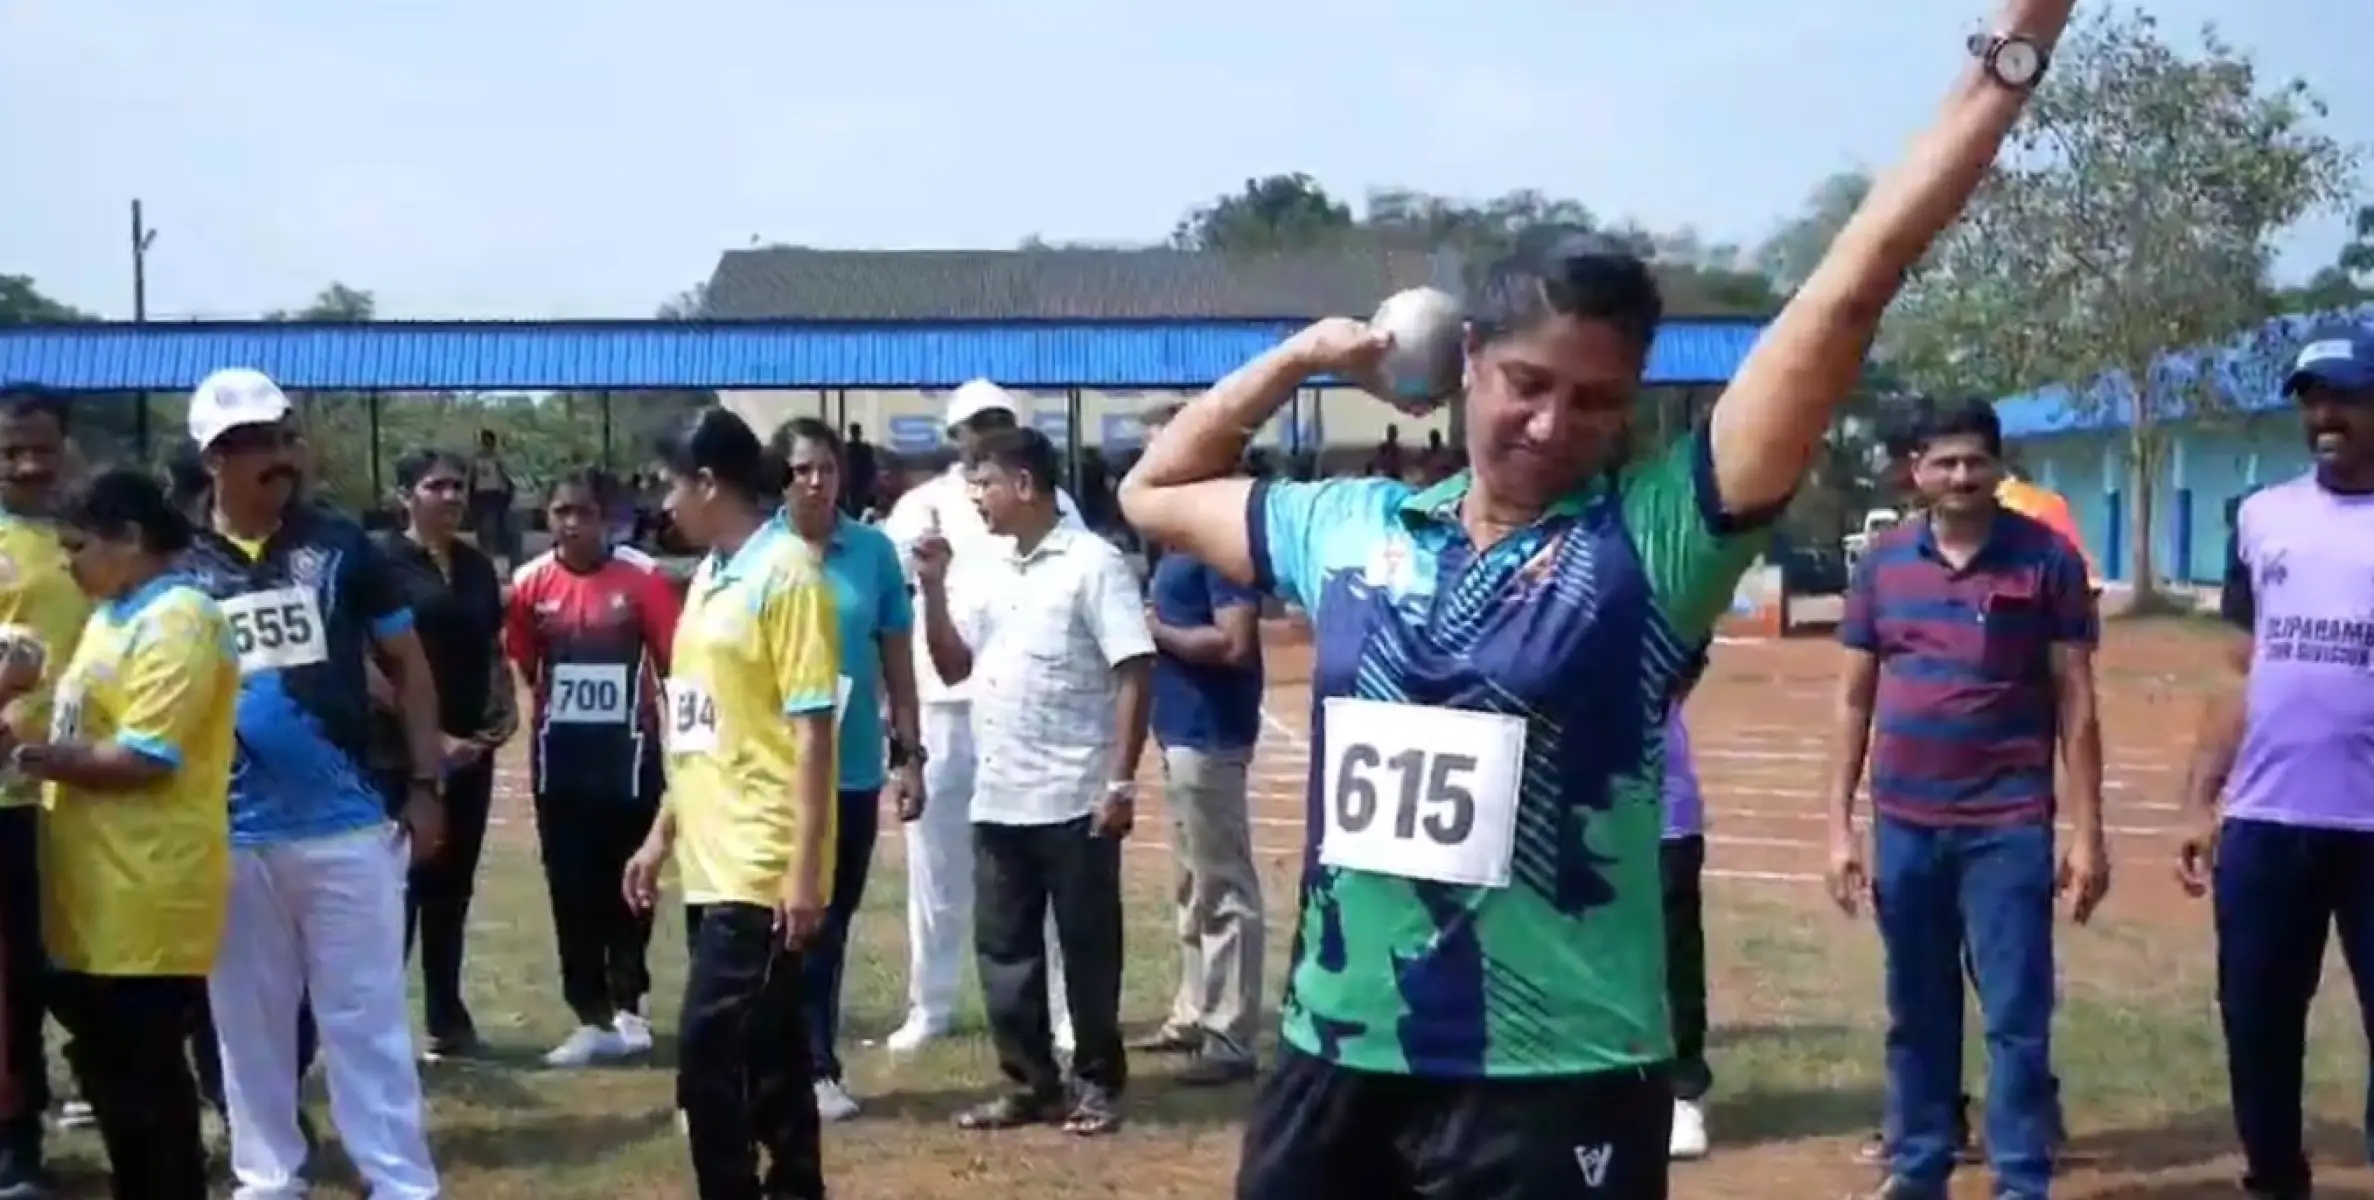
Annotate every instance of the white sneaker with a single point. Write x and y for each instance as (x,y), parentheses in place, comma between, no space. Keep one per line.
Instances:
(587,1043)
(910,1037)
(1689,1131)
(634,1033)
(833,1102)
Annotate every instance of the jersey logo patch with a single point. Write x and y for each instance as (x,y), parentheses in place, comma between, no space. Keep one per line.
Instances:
(307,565)
(1594,1160)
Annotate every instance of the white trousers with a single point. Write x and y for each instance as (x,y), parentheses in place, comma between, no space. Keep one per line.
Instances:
(326,917)
(940,879)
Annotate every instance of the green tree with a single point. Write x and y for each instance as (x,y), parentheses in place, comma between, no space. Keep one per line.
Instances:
(1791,251)
(2346,282)
(1271,214)
(22,303)
(2132,217)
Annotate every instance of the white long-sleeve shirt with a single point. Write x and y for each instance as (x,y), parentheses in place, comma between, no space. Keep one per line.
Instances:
(944,499)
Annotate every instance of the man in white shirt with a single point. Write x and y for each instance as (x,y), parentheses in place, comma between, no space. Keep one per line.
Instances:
(1054,642)
(939,843)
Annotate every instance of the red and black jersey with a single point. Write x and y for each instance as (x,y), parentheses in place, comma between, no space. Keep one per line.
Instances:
(594,647)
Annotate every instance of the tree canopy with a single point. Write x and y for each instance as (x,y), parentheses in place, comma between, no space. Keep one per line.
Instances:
(2133,217)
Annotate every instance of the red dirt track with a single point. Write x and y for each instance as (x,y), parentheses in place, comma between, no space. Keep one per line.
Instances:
(1760,731)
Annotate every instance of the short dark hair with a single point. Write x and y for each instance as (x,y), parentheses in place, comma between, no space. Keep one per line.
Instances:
(415,466)
(1020,450)
(1564,273)
(1967,418)
(719,442)
(35,400)
(128,501)
(596,481)
(186,472)
(806,429)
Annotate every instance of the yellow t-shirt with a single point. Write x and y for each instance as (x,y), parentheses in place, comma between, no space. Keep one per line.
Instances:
(758,643)
(138,882)
(39,593)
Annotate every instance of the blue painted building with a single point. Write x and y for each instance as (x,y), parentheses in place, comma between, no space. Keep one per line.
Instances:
(2080,445)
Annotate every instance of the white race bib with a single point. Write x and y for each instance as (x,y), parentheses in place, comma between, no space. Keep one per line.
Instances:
(276,629)
(692,718)
(588,694)
(1421,793)
(65,715)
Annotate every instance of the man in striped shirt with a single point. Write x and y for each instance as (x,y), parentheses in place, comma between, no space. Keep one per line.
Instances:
(1970,635)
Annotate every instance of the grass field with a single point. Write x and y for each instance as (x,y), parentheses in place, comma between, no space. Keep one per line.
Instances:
(1795,994)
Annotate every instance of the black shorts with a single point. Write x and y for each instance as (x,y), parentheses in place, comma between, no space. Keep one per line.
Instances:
(1318,1130)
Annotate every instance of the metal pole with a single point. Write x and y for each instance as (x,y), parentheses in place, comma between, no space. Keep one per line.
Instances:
(142,238)
(1071,440)
(378,486)
(1318,432)
(605,398)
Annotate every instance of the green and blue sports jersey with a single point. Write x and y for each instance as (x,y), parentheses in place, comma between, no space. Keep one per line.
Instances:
(1579,625)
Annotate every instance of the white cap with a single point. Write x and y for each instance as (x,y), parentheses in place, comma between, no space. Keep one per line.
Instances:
(230,398)
(975,398)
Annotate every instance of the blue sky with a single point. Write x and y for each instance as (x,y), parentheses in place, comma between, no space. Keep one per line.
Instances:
(529,158)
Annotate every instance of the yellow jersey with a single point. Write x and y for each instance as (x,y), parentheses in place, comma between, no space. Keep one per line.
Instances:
(758,643)
(138,882)
(38,593)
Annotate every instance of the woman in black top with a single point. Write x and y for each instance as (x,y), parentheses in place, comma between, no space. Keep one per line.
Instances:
(456,597)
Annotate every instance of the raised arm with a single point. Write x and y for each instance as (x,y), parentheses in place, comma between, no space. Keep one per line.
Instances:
(1185,492)
(1772,416)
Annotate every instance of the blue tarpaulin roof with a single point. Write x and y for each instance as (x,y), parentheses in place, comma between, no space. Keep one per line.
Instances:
(623,355)
(2242,375)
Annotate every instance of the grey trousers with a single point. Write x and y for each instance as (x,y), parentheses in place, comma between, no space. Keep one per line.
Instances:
(1219,900)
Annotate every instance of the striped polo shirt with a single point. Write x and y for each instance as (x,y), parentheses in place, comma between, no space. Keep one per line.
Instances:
(1966,716)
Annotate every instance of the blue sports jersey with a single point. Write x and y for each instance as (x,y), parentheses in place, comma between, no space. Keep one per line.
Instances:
(304,615)
(1481,888)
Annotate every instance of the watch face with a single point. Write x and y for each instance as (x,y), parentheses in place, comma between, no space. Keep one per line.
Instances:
(2018,63)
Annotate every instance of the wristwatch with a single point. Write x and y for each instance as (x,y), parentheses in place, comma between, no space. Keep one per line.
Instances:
(2013,60)
(904,754)
(1124,790)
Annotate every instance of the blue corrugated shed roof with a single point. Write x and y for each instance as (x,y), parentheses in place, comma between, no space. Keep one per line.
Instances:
(2247,372)
(587,355)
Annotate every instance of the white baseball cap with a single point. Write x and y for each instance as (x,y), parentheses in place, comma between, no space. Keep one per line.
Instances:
(230,398)
(975,398)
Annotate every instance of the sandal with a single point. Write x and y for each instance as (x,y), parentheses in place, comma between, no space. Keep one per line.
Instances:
(1094,1115)
(1011,1111)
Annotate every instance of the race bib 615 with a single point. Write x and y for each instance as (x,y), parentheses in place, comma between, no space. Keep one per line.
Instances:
(1421,793)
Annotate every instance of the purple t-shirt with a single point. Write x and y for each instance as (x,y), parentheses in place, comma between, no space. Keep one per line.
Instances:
(1685,810)
(2301,579)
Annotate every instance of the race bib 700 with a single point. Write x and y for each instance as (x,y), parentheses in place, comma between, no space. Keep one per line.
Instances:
(588,694)
(276,629)
(1421,793)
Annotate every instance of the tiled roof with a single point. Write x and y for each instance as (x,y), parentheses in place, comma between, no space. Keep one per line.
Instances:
(1060,284)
